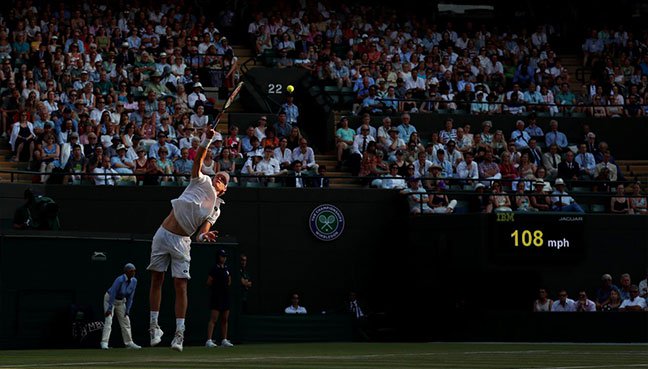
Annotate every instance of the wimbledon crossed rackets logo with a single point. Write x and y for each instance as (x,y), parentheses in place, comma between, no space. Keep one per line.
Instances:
(326,222)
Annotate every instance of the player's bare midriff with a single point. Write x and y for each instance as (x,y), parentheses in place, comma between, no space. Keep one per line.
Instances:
(171,224)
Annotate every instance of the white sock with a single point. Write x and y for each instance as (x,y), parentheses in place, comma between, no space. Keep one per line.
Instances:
(154,317)
(180,326)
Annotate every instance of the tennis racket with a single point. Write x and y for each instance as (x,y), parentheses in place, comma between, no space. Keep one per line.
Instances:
(229,102)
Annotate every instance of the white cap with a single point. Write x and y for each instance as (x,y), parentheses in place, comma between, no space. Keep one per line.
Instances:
(559,181)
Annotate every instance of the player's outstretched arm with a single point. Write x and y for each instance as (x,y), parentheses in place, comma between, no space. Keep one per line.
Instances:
(202,151)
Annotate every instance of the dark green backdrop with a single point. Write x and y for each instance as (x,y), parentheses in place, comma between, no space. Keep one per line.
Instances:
(434,277)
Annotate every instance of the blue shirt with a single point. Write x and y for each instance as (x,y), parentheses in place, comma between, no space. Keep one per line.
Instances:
(292,112)
(405,131)
(557,138)
(183,166)
(121,289)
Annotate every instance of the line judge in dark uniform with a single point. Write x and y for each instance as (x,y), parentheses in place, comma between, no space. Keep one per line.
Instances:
(219,282)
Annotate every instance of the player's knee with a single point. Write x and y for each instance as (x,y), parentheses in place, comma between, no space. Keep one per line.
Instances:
(180,284)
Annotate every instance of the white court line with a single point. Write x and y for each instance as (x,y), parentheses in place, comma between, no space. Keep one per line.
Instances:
(594,366)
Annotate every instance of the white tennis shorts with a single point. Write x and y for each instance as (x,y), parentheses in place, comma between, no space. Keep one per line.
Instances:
(170,248)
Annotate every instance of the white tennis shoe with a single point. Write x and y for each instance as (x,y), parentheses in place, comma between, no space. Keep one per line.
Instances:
(156,334)
(176,344)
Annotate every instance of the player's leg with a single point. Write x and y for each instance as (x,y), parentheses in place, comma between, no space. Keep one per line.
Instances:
(180,264)
(160,260)
(107,328)
(213,318)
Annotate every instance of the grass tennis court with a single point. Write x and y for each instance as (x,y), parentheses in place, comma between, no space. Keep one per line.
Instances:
(344,355)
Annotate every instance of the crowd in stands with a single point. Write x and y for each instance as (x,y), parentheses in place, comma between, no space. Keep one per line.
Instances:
(626,297)
(525,162)
(391,63)
(110,88)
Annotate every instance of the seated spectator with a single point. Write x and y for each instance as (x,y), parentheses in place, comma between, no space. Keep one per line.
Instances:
(121,163)
(620,204)
(268,165)
(613,303)
(104,174)
(250,168)
(152,173)
(183,166)
(283,154)
(372,164)
(643,286)
(539,198)
(171,149)
(568,169)
(438,201)
(488,169)
(391,180)
(563,304)
(522,201)
(583,304)
(603,292)
(76,164)
(468,170)
(624,286)
(634,302)
(282,127)
(586,163)
(561,201)
(294,307)
(551,160)
(480,203)
(555,137)
(343,140)
(499,199)
(255,147)
(418,203)
(164,164)
(270,140)
(611,168)
(320,180)
(542,303)
(305,154)
(638,200)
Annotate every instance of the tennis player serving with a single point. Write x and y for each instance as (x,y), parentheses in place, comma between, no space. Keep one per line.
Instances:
(195,211)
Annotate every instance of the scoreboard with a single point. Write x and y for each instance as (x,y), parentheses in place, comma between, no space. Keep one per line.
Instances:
(536,238)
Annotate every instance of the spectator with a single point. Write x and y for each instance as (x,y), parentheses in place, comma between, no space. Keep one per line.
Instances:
(562,201)
(305,154)
(613,303)
(624,286)
(584,304)
(569,169)
(563,304)
(643,286)
(554,137)
(620,204)
(104,174)
(439,202)
(183,166)
(320,180)
(418,202)
(607,165)
(634,302)
(499,199)
(343,140)
(542,303)
(294,307)
(282,127)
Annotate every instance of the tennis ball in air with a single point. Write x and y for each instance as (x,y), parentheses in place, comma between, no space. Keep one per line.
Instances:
(290,88)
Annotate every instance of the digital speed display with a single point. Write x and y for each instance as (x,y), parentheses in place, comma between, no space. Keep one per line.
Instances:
(536,238)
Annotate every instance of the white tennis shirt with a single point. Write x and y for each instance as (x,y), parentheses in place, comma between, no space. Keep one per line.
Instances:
(197,204)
